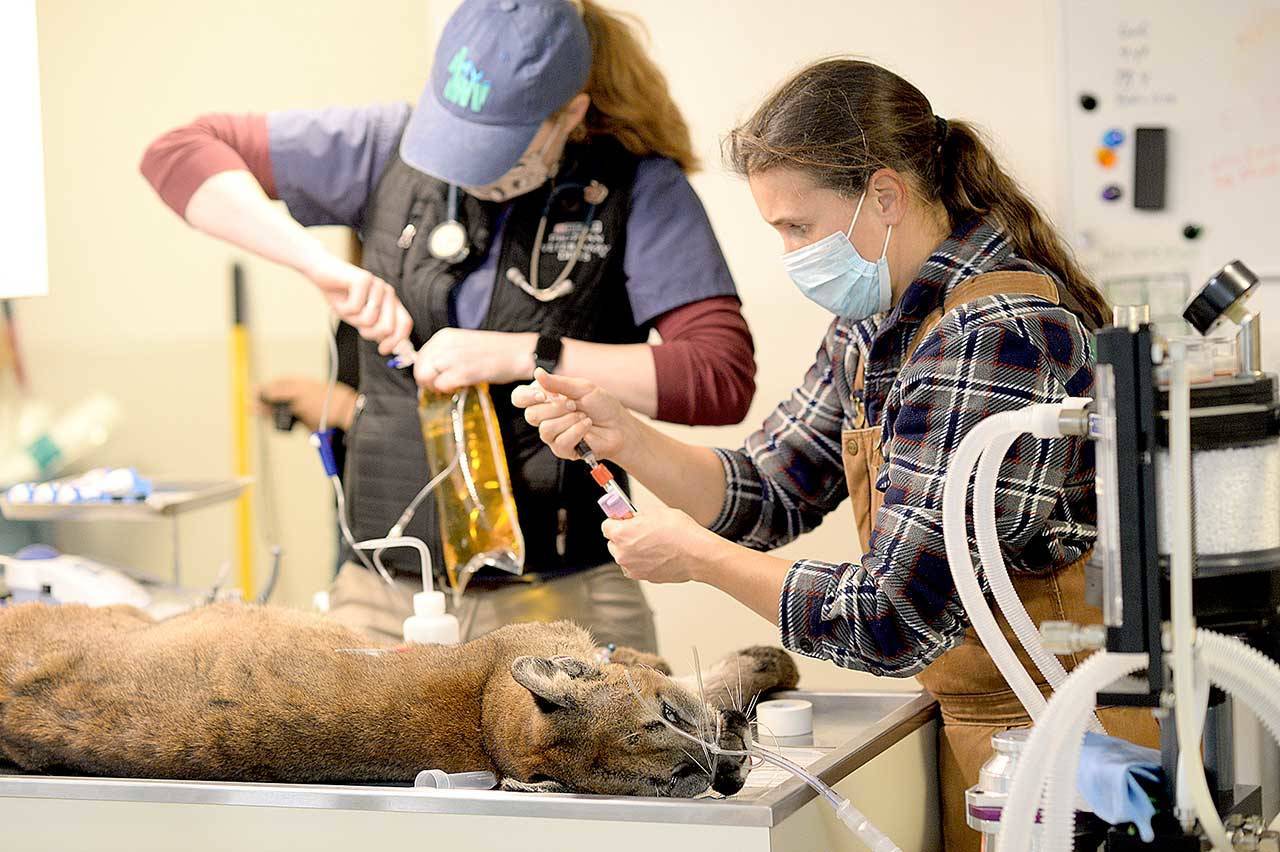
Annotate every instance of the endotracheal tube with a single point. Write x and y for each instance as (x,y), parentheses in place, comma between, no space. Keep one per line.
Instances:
(853,819)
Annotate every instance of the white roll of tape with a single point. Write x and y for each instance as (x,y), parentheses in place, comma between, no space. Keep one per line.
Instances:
(789,717)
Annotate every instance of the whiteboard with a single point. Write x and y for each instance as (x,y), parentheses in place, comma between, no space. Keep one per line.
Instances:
(1209,72)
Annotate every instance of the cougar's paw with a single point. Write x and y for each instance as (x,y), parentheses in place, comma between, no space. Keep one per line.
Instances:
(631,657)
(743,676)
(514,786)
(773,667)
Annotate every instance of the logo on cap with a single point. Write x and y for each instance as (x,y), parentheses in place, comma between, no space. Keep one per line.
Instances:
(467,86)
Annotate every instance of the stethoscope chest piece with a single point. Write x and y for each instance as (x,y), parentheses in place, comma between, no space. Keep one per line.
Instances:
(448,242)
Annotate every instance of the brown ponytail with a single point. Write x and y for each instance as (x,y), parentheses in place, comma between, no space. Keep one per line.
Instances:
(972,184)
(630,100)
(841,119)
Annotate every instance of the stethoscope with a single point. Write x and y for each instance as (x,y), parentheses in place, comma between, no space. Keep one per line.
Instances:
(448,241)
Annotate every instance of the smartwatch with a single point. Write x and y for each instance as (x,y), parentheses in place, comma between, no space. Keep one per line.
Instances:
(547,353)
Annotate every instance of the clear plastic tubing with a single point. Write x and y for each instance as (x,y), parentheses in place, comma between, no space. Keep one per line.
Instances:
(853,819)
(1228,663)
(1181,612)
(997,573)
(1061,794)
(424,555)
(956,534)
(1244,672)
(1074,700)
(1232,665)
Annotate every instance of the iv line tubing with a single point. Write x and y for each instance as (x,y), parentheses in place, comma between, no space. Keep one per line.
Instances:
(339,497)
(395,534)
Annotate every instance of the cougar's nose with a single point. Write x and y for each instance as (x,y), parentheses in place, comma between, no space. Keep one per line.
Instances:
(728,783)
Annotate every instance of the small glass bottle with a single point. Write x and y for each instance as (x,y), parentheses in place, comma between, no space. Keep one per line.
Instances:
(1226,360)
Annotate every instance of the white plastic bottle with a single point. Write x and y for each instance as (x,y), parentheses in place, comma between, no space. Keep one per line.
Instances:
(430,624)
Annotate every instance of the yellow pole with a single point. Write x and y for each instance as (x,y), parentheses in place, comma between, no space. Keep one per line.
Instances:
(240,427)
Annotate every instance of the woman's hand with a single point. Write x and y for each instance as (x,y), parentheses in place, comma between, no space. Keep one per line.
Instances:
(457,357)
(362,300)
(567,411)
(661,545)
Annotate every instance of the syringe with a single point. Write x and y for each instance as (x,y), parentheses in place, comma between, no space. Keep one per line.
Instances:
(614,503)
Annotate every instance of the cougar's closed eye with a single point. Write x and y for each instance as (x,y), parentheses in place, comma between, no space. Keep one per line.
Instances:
(669,713)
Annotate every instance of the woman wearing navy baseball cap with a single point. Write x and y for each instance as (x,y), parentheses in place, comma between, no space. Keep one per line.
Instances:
(531,211)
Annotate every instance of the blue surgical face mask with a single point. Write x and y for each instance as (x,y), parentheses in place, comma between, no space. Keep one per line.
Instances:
(833,274)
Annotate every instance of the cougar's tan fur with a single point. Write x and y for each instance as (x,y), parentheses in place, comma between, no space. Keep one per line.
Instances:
(241,692)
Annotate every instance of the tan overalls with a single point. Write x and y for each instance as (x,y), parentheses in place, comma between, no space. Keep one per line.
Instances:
(976,701)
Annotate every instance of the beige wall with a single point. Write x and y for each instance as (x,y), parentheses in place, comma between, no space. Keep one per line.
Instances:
(139,303)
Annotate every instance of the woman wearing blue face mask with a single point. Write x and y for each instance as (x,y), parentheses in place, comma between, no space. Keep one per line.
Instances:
(955,299)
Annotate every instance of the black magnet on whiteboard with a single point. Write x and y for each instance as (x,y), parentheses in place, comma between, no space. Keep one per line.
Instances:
(1191,231)
(1150,167)
(1088,102)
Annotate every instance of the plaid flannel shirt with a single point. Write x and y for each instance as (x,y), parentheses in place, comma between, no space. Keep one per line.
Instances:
(898,610)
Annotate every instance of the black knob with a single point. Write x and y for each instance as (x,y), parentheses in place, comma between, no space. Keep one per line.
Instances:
(1191,232)
(1088,102)
(1229,285)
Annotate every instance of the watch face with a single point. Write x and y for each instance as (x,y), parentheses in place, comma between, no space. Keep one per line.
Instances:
(448,241)
(547,352)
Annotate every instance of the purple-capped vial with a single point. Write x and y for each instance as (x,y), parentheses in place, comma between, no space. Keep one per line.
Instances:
(616,507)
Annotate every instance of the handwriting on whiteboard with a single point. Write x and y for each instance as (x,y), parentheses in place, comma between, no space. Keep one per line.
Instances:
(1246,165)
(1137,84)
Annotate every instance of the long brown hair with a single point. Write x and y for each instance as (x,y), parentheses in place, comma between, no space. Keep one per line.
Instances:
(841,119)
(630,100)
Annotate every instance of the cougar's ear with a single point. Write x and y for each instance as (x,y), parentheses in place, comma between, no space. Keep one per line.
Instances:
(631,657)
(553,681)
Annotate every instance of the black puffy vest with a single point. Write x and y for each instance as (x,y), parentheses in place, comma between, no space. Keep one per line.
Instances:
(386,460)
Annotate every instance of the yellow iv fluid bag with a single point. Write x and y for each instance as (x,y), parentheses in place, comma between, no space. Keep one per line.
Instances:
(478,523)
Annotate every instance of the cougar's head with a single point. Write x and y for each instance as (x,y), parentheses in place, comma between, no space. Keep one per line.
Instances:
(629,730)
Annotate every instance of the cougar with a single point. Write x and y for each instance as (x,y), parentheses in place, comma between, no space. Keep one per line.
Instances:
(252,693)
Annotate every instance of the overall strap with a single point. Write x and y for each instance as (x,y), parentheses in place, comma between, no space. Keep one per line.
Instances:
(982,286)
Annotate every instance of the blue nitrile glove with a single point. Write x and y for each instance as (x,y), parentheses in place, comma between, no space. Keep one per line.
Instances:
(1108,779)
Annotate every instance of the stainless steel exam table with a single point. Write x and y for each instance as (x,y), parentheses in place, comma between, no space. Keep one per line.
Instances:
(877,748)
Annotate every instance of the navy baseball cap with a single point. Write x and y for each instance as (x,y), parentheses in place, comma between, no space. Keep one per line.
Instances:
(502,67)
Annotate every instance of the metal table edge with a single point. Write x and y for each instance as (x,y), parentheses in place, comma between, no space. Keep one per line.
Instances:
(388,799)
